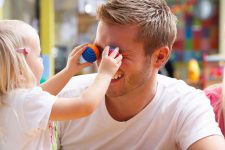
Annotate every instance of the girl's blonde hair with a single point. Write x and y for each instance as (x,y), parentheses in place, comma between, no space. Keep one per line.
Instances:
(15,72)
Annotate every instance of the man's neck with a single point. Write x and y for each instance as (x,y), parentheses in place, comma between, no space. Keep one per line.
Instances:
(127,106)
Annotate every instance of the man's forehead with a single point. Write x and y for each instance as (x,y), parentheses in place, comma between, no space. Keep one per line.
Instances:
(122,36)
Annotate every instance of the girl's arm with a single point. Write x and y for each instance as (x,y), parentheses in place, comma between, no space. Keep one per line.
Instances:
(86,103)
(55,84)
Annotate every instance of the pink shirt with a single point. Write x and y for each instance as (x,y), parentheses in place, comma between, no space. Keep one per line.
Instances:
(214,94)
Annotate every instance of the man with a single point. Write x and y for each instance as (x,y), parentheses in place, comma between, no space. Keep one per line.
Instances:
(141,110)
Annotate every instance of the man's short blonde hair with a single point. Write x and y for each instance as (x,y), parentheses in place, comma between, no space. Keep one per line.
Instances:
(156,22)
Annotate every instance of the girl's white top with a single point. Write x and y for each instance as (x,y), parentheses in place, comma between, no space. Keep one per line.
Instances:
(24,120)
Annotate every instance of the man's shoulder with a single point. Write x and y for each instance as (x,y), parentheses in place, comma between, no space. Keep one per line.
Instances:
(171,87)
(173,83)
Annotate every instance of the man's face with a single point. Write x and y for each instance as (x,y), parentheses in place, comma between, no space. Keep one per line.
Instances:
(135,70)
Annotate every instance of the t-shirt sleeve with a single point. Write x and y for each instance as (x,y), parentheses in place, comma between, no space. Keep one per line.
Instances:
(196,120)
(37,108)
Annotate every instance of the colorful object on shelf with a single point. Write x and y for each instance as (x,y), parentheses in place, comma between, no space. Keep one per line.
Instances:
(181,5)
(216,73)
(193,71)
(199,34)
(195,37)
(91,53)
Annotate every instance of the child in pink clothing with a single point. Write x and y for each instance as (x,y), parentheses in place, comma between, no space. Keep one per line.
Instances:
(214,93)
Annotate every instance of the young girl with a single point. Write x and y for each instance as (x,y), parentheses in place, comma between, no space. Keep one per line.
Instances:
(25,107)
(215,93)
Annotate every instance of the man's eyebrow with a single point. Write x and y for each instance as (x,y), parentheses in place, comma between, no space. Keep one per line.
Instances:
(102,48)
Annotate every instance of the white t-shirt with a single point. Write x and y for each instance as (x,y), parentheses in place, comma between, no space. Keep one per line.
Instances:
(24,120)
(178,116)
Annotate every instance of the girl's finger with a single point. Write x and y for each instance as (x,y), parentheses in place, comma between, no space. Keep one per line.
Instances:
(119,58)
(105,51)
(115,52)
(78,49)
(119,64)
(78,53)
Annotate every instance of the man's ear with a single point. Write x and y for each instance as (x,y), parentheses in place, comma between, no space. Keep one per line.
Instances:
(160,56)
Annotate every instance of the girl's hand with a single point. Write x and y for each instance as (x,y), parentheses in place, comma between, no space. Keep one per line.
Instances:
(73,64)
(110,63)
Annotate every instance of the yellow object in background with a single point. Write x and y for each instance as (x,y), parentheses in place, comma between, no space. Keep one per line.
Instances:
(193,71)
(1,8)
(47,37)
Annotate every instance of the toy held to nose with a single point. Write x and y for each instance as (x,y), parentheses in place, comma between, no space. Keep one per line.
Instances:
(91,53)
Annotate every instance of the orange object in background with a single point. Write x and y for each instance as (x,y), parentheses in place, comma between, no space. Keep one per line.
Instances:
(193,71)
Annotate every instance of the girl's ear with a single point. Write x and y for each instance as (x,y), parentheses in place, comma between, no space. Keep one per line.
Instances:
(160,56)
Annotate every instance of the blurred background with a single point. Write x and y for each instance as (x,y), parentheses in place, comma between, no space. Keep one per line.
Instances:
(198,54)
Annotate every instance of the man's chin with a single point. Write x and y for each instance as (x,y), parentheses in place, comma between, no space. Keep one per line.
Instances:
(114,93)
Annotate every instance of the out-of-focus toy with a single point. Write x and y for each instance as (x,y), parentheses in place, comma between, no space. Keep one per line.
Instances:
(193,71)
(91,53)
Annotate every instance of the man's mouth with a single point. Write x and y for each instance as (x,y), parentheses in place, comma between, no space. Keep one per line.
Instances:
(118,75)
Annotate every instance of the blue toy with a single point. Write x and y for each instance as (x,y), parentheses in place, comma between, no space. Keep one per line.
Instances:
(91,53)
